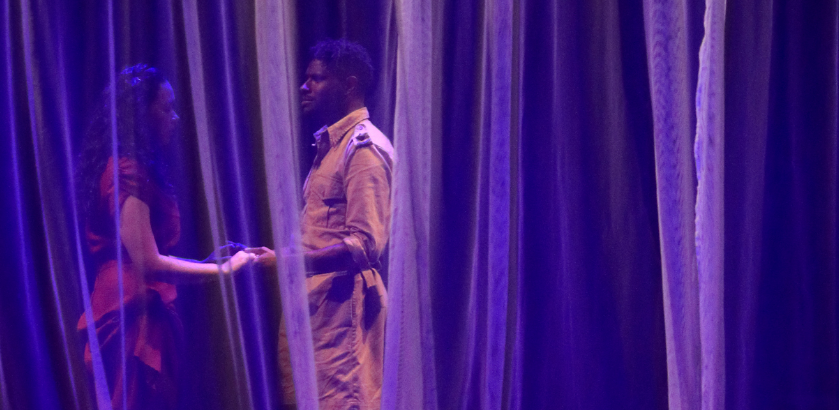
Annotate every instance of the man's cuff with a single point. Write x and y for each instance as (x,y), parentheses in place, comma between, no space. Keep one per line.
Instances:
(359,256)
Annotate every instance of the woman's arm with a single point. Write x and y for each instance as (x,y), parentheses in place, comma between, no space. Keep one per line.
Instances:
(138,239)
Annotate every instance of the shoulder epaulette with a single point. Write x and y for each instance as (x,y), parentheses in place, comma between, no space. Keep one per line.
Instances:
(361,138)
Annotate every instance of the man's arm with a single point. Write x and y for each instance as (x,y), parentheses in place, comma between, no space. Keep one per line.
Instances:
(333,258)
(367,219)
(329,259)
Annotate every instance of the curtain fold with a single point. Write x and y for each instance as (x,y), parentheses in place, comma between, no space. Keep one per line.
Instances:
(750,30)
(491,265)
(44,234)
(275,40)
(409,349)
(780,215)
(709,157)
(210,163)
(668,55)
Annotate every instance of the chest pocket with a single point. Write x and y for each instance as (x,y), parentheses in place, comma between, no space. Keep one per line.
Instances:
(330,192)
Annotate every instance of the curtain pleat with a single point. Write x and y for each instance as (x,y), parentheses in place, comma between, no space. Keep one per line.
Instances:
(512,377)
(275,40)
(780,219)
(709,157)
(409,373)
(670,83)
(210,178)
(48,241)
(750,30)
(489,291)
(497,215)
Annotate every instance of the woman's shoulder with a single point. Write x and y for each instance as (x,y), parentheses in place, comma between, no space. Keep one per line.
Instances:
(126,167)
(131,175)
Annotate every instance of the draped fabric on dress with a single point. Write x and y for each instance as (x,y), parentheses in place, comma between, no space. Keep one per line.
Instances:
(153,330)
(598,204)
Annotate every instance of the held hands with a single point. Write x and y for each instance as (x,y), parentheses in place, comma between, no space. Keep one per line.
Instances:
(238,261)
(263,256)
(267,258)
(332,258)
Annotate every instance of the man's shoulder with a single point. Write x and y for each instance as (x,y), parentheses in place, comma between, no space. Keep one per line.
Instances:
(366,134)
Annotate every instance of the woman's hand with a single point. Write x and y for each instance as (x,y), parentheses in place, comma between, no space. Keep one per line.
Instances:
(238,261)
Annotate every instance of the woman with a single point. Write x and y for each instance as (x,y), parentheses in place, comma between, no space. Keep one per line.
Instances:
(140,198)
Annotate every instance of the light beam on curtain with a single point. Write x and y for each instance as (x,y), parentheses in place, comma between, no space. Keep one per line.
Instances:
(275,30)
(210,180)
(487,381)
(10,115)
(46,122)
(242,187)
(64,242)
(409,376)
(667,53)
(709,148)
(112,104)
(35,332)
(208,170)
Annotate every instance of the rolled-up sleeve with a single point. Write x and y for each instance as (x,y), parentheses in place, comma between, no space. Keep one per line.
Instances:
(368,180)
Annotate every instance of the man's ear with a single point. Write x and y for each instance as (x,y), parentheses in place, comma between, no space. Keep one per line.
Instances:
(352,84)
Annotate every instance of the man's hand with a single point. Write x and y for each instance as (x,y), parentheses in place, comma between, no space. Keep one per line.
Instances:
(265,257)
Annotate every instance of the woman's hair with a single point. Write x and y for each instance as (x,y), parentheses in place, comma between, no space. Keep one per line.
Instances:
(137,88)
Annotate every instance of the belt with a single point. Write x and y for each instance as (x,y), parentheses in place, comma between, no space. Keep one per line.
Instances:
(367,275)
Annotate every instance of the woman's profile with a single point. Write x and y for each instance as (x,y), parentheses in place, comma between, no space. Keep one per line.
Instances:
(128,196)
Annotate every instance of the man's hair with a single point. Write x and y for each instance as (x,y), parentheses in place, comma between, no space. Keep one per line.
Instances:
(344,58)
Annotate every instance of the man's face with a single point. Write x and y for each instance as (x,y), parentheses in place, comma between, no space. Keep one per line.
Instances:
(321,94)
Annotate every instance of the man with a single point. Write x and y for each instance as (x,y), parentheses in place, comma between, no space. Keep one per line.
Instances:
(345,224)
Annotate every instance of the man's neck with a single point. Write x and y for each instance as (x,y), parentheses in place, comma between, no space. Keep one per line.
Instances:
(352,106)
(329,120)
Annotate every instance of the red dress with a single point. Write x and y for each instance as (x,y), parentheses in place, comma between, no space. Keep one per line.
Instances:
(152,328)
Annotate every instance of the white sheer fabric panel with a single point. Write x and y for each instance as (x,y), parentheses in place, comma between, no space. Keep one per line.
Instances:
(670,86)
(709,156)
(409,379)
(278,101)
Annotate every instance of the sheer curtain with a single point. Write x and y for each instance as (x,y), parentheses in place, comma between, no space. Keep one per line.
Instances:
(780,203)
(235,173)
(597,205)
(644,234)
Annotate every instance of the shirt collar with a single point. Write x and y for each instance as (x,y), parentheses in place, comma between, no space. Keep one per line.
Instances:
(340,128)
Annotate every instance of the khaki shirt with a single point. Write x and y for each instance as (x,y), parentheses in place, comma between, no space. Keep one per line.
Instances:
(347,199)
(347,193)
